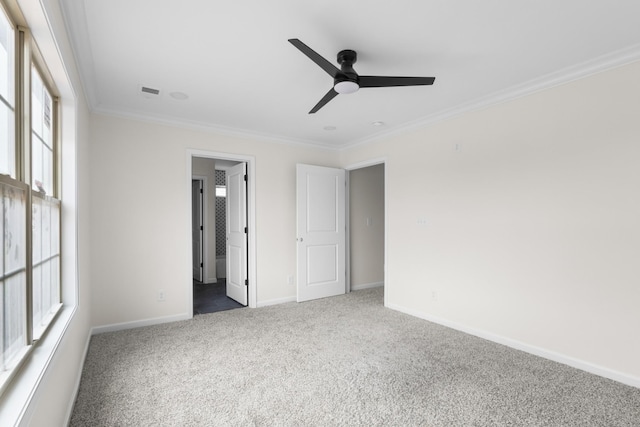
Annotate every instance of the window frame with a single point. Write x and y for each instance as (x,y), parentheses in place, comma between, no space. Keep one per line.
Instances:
(5,12)
(27,57)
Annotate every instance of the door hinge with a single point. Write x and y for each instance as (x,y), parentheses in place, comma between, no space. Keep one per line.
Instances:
(246,230)
(201,191)
(201,228)
(201,265)
(245,176)
(246,282)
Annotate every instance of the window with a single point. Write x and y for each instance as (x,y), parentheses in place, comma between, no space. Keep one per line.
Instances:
(7,98)
(29,208)
(13,272)
(41,135)
(45,210)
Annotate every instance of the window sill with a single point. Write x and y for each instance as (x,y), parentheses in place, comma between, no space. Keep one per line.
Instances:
(17,395)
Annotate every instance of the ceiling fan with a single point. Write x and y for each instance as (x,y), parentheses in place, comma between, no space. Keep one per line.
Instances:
(345,78)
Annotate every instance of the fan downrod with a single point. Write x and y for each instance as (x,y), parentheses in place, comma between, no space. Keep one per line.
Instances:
(347,56)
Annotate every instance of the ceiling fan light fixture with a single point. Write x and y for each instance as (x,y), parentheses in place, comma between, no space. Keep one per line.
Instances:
(346,86)
(345,78)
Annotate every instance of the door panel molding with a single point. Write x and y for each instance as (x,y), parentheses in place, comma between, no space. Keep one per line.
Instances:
(321,231)
(236,230)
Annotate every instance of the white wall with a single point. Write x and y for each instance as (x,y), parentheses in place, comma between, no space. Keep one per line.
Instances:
(141,216)
(207,168)
(366,226)
(531,230)
(532,234)
(529,235)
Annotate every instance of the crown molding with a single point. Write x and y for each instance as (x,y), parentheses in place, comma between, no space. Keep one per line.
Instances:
(209,127)
(566,75)
(74,11)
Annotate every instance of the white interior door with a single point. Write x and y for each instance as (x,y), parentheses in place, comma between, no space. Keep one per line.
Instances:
(321,226)
(237,233)
(196,228)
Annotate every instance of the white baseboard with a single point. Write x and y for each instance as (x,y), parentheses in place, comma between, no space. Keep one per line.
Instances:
(275,301)
(592,368)
(367,286)
(138,324)
(77,380)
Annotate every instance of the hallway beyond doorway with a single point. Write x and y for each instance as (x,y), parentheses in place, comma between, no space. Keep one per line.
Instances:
(212,297)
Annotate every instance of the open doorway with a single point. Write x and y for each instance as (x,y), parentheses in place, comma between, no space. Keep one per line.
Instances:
(216,218)
(366,218)
(323,261)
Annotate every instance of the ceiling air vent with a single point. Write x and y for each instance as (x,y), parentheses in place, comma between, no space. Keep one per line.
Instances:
(149,92)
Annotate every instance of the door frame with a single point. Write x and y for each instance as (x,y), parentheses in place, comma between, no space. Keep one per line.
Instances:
(361,165)
(251,221)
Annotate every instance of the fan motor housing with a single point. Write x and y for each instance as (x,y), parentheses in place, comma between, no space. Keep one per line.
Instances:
(346,59)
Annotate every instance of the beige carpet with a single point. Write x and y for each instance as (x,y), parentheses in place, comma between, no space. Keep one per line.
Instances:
(342,361)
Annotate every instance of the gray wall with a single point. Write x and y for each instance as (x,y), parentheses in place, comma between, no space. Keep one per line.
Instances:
(366,225)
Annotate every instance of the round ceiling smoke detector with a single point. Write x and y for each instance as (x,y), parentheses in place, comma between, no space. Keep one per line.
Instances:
(180,96)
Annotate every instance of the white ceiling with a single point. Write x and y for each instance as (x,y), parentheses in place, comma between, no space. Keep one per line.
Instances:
(242,76)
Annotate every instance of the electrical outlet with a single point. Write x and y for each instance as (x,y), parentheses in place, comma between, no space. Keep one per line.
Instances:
(161,295)
(290,280)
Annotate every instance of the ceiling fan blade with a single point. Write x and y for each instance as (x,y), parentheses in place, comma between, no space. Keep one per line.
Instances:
(331,69)
(328,97)
(384,81)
